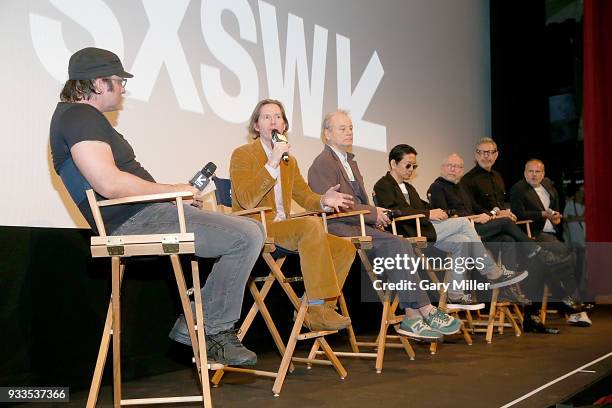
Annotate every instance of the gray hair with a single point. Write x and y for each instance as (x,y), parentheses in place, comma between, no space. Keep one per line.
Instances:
(327,119)
(486,140)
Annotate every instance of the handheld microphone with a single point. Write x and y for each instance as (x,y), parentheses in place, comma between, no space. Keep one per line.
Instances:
(279,137)
(201,179)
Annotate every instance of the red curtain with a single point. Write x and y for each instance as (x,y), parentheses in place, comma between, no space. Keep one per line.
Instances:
(597,119)
(598,142)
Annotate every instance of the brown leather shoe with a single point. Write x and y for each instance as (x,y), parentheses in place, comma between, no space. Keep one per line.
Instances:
(324,317)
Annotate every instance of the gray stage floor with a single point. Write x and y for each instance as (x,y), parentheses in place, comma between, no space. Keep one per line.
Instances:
(481,375)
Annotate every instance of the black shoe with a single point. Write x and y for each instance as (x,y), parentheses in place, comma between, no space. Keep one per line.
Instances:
(507,278)
(513,295)
(533,324)
(572,305)
(549,258)
(464,302)
(226,349)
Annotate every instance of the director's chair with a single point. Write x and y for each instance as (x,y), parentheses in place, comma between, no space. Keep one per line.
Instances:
(120,247)
(274,257)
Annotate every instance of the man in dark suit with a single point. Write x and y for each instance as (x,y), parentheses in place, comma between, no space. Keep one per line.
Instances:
(454,235)
(535,198)
(336,166)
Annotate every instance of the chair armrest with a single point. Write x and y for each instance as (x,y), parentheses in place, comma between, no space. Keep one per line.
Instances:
(251,211)
(415,217)
(145,198)
(527,225)
(347,214)
(359,213)
(409,217)
(307,213)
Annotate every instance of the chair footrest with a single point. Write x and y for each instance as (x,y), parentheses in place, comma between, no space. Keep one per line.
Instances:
(261,373)
(350,354)
(311,361)
(161,400)
(313,334)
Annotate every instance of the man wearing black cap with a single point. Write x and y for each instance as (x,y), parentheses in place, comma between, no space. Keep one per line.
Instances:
(89,153)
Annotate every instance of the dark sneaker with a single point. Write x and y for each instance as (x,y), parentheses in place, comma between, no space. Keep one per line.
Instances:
(179,332)
(226,349)
(464,302)
(548,258)
(418,329)
(442,323)
(572,305)
(507,278)
(533,324)
(324,317)
(223,348)
(513,295)
(579,319)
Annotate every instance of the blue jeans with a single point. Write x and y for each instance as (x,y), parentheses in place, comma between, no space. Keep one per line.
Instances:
(235,241)
(458,236)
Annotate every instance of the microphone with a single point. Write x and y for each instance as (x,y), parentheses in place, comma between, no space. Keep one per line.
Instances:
(279,137)
(201,179)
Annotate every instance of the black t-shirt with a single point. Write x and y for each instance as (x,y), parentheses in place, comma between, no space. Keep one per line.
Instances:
(486,189)
(450,197)
(76,122)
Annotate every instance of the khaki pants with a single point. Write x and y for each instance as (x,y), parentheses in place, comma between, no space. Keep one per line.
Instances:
(325,259)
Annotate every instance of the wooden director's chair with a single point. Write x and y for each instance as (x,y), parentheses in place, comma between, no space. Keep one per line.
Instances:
(119,247)
(499,311)
(546,293)
(274,258)
(419,243)
(389,317)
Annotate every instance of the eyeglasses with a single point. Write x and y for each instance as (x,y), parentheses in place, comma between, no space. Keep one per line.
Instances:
(454,166)
(486,152)
(122,81)
(413,166)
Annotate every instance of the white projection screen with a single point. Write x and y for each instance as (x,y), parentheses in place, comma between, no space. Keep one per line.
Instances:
(409,71)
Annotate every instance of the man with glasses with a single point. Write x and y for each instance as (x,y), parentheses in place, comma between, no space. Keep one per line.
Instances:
(485,185)
(487,192)
(454,235)
(89,153)
(264,174)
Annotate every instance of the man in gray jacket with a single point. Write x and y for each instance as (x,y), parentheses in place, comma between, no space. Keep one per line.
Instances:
(335,165)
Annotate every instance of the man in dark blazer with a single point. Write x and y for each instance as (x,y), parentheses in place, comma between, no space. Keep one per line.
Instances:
(454,235)
(336,166)
(535,198)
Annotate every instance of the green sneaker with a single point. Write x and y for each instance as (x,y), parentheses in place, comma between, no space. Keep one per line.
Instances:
(418,329)
(442,322)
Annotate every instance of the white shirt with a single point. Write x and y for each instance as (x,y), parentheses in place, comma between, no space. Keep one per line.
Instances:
(278,190)
(402,187)
(344,160)
(545,199)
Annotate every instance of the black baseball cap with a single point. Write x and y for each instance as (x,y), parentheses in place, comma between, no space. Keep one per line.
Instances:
(91,63)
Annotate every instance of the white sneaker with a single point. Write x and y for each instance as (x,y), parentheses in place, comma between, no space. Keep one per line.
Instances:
(579,319)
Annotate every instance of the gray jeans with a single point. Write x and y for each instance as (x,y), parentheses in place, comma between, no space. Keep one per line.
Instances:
(458,236)
(235,241)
